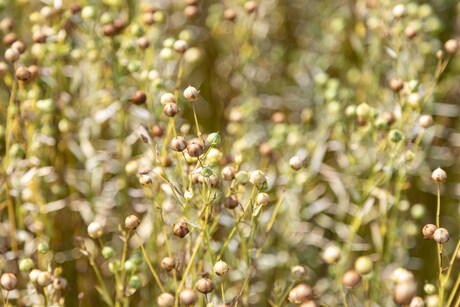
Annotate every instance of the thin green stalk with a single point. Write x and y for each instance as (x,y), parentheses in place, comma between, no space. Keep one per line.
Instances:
(149,264)
(189,266)
(11,210)
(440,276)
(453,291)
(101,281)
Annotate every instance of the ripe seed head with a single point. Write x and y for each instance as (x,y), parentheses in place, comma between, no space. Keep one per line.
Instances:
(300,293)
(168,263)
(221,268)
(228,173)
(178,144)
(23,74)
(132,222)
(351,279)
(262,199)
(195,149)
(231,202)
(181,229)
(11,55)
(139,97)
(396,85)
(167,98)
(171,109)
(8,281)
(44,279)
(441,235)
(404,292)
(191,93)
(204,285)
(145,180)
(439,175)
(428,231)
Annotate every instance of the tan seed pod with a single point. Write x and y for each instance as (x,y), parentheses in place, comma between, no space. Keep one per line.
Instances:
(8,281)
(132,222)
(428,231)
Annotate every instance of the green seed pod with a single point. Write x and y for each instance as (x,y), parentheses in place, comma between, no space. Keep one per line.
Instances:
(26,265)
(214,139)
(206,171)
(107,252)
(135,282)
(43,247)
(395,136)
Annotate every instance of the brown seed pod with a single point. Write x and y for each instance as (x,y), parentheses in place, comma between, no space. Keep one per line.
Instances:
(278,118)
(109,30)
(75,8)
(142,42)
(166,161)
(148,19)
(171,109)
(250,7)
(191,2)
(404,292)
(388,117)
(351,279)
(230,14)
(298,272)
(168,264)
(139,97)
(191,11)
(19,46)
(132,222)
(39,37)
(178,144)
(204,285)
(181,229)
(120,24)
(9,39)
(35,71)
(195,148)
(23,74)
(231,202)
(410,32)
(428,231)
(300,293)
(396,85)
(158,131)
(228,173)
